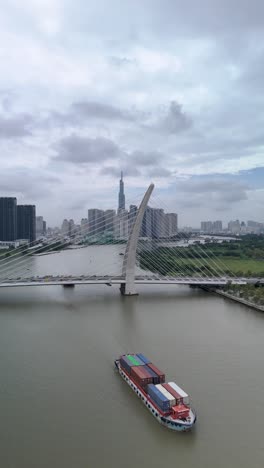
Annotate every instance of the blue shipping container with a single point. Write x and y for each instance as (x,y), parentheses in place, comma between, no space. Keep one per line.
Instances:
(126,364)
(156,379)
(158,398)
(143,358)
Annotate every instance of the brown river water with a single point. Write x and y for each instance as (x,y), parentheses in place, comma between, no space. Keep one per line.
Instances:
(62,404)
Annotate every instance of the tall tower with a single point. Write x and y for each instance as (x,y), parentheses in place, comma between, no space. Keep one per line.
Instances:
(121,195)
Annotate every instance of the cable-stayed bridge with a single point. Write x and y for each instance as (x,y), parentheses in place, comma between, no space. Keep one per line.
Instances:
(192,265)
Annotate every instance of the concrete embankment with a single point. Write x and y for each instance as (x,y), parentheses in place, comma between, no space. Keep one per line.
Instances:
(236,299)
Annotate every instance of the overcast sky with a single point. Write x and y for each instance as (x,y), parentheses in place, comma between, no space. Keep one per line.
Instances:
(171,92)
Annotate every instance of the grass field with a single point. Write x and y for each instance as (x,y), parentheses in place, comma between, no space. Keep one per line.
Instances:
(245,265)
(233,264)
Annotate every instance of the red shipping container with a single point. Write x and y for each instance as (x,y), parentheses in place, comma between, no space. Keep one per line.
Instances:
(157,371)
(173,392)
(180,412)
(140,376)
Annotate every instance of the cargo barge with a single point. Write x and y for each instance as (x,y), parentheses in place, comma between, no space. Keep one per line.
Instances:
(167,402)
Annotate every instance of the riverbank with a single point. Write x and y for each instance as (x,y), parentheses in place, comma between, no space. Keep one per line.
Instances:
(237,299)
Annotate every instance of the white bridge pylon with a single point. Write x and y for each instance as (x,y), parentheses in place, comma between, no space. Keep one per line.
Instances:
(129,264)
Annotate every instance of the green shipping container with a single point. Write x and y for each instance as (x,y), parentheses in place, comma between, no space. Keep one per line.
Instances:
(134,361)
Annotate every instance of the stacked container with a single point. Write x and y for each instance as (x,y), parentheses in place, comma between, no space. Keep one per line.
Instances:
(143,358)
(135,360)
(178,398)
(140,376)
(160,374)
(161,401)
(185,397)
(167,395)
(155,377)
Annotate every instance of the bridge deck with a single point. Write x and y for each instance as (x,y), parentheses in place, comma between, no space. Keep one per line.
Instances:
(111,280)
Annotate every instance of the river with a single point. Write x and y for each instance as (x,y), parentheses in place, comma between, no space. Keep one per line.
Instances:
(62,405)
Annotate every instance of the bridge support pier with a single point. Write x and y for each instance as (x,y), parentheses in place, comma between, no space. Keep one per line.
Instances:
(129,263)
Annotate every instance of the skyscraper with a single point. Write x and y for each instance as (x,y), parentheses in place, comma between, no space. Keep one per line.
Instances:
(121,195)
(96,221)
(26,222)
(8,219)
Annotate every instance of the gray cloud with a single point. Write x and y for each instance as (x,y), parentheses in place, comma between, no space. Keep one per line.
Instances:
(159,172)
(16,126)
(30,184)
(221,192)
(149,158)
(83,150)
(81,112)
(121,61)
(176,120)
(98,110)
(129,171)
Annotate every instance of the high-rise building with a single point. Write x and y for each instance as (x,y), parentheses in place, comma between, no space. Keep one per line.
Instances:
(26,222)
(8,219)
(206,226)
(71,228)
(109,216)
(121,225)
(96,221)
(234,227)
(171,224)
(121,195)
(132,216)
(217,226)
(40,226)
(84,226)
(65,227)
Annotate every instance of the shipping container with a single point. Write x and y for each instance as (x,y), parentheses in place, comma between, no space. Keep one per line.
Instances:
(157,371)
(178,398)
(135,361)
(166,394)
(146,372)
(126,364)
(181,392)
(161,401)
(180,412)
(143,358)
(141,377)
(155,377)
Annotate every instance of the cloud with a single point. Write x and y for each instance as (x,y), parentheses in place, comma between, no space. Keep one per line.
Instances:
(114,171)
(216,191)
(98,110)
(16,126)
(149,158)
(176,120)
(27,184)
(83,150)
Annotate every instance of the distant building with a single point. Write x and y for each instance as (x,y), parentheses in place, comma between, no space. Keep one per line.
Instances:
(207,226)
(8,219)
(171,222)
(40,226)
(133,209)
(254,227)
(217,226)
(109,217)
(84,226)
(121,225)
(234,227)
(26,222)
(96,221)
(121,195)
(65,227)
(71,228)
